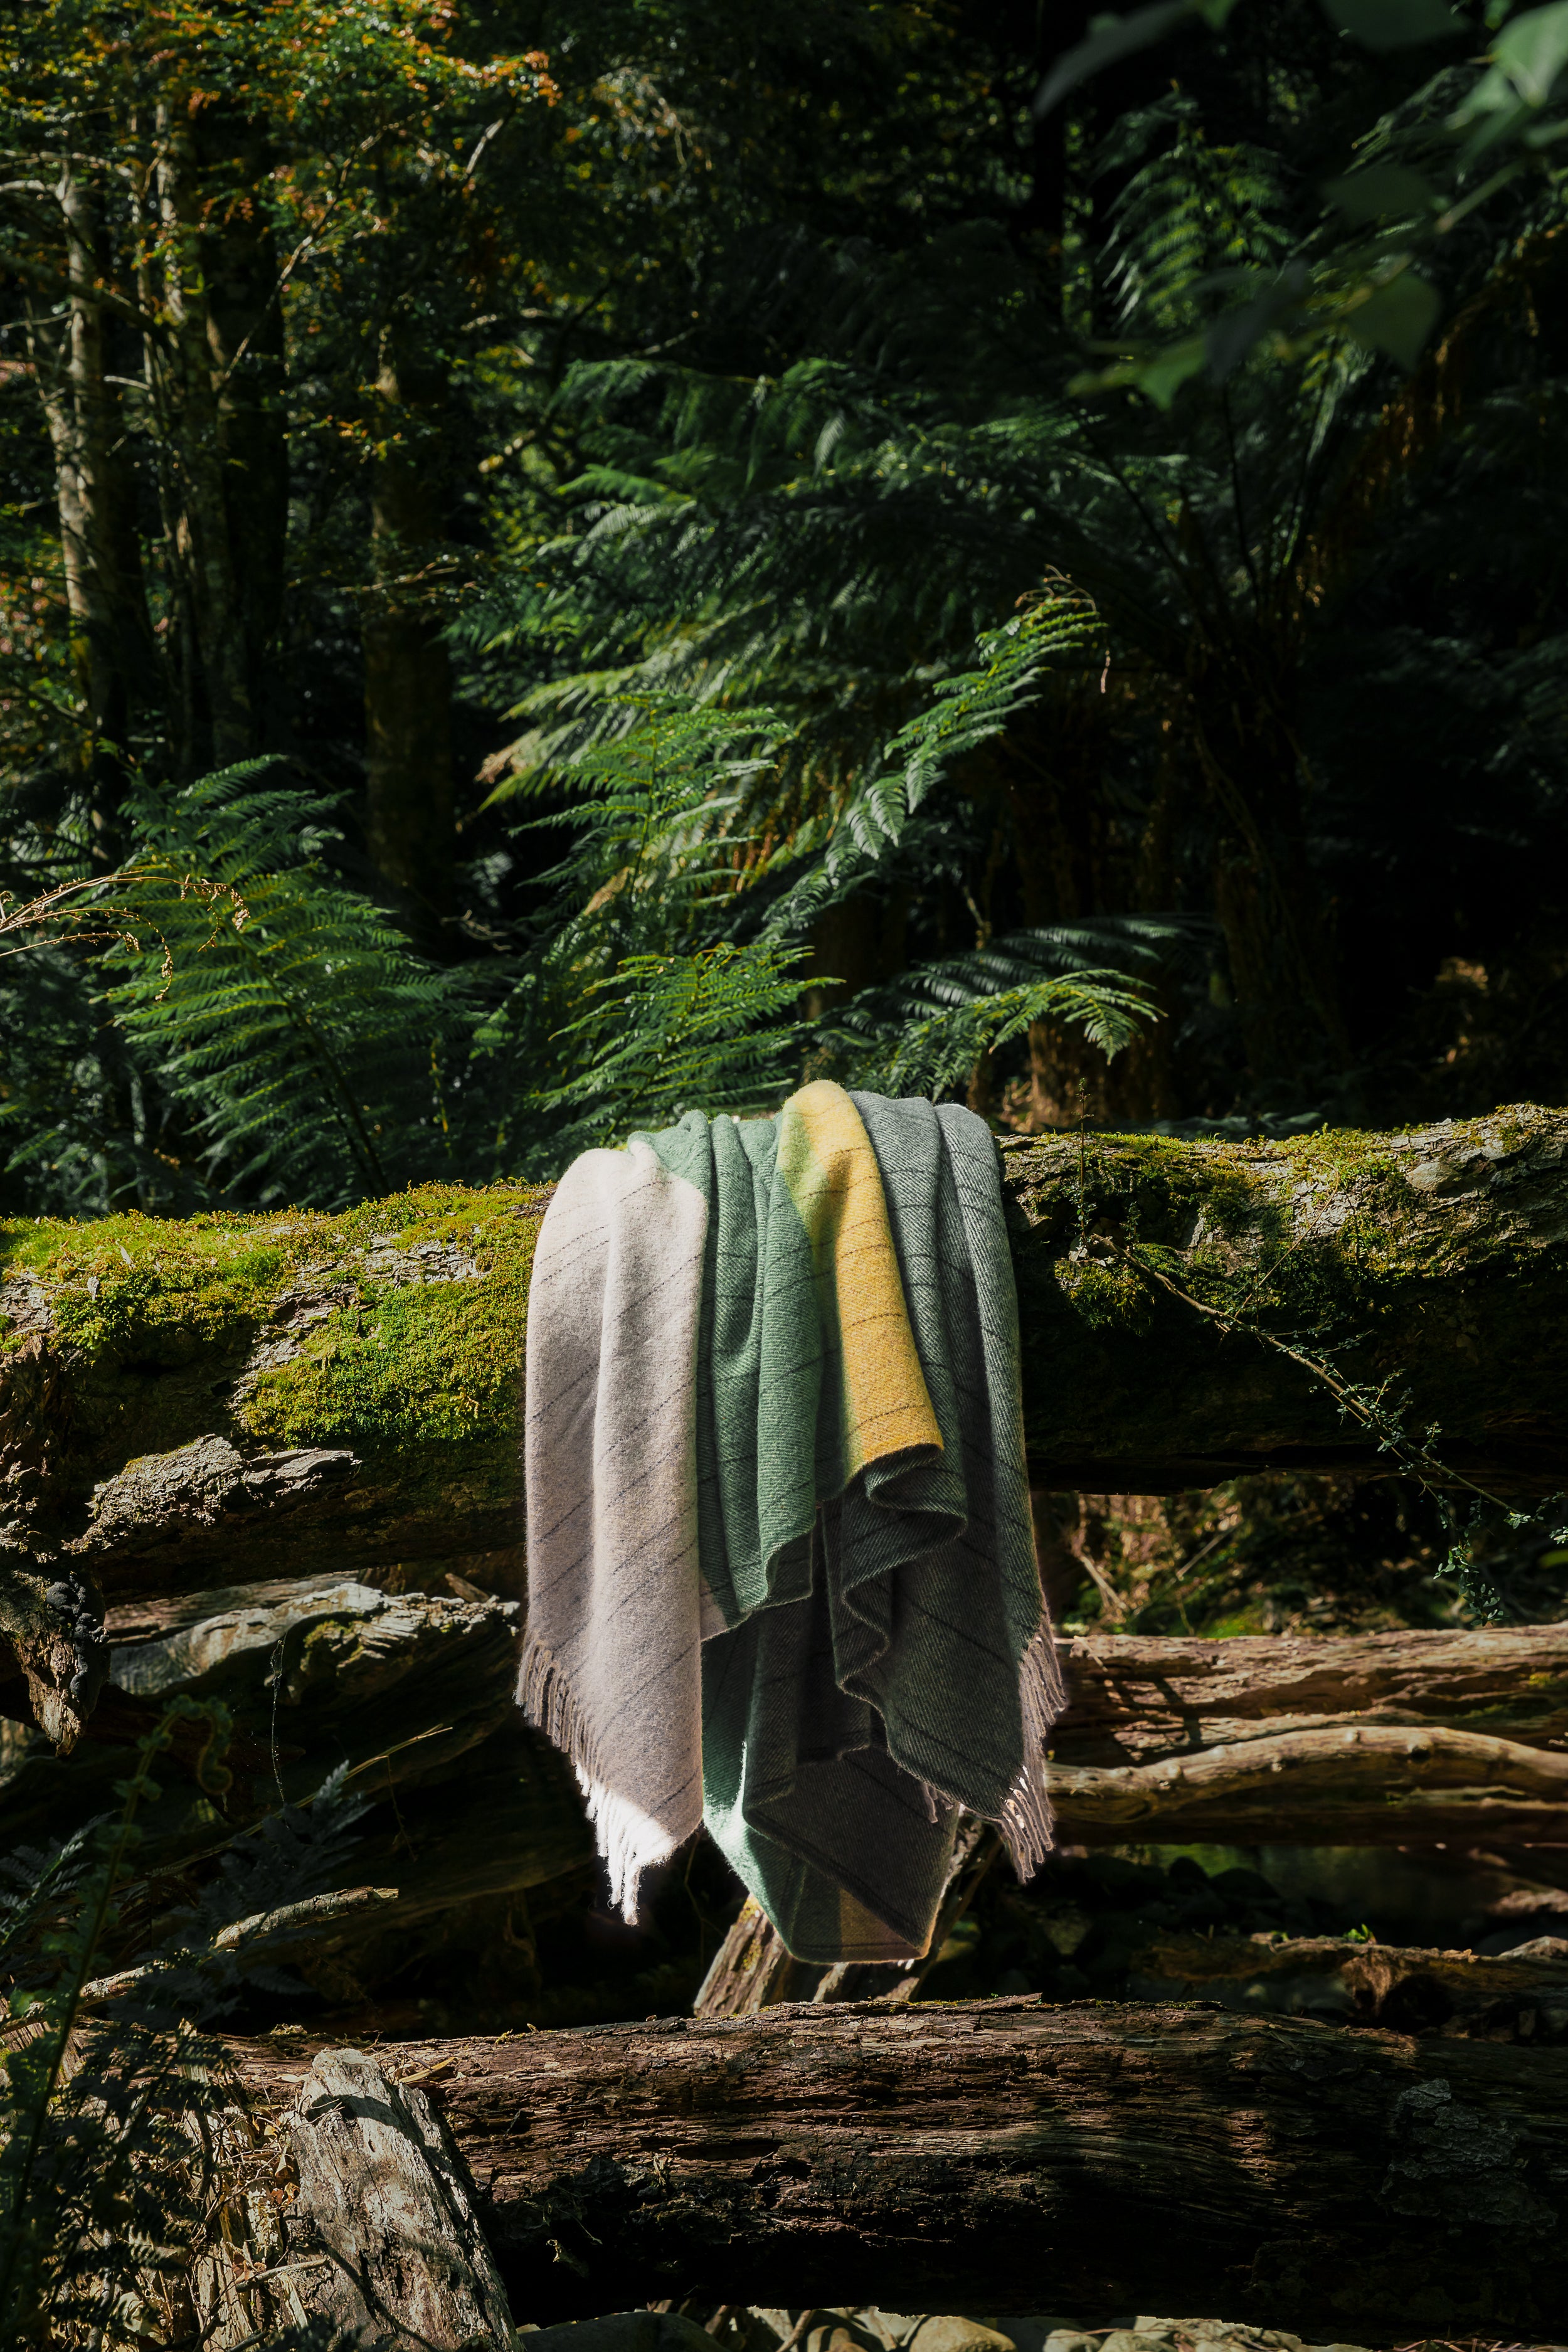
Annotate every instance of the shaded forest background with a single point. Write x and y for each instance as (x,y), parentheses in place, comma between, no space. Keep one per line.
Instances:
(640,548)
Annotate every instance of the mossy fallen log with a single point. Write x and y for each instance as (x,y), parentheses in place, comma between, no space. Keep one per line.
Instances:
(1013,2156)
(229,1399)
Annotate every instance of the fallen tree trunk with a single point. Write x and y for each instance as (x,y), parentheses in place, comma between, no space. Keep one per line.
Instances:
(1009,2156)
(1139,1699)
(236,1397)
(1163,1741)
(1379,1739)
(1520,1996)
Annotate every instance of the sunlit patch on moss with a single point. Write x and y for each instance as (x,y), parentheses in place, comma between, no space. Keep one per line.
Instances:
(400,1358)
(434,1360)
(1105,1295)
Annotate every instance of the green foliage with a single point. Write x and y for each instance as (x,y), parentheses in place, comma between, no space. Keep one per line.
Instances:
(842,637)
(1189,224)
(929,1032)
(280,1010)
(315,1056)
(663,1034)
(100,2124)
(1418,188)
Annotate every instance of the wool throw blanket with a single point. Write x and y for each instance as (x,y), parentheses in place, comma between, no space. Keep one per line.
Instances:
(829,1633)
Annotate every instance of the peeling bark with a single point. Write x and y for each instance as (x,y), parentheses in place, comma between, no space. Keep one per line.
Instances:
(384,2195)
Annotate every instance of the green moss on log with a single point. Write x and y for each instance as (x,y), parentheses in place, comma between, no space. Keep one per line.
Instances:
(391,1339)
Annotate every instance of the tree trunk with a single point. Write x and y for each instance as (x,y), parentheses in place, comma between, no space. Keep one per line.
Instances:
(384,2195)
(407,673)
(1268,903)
(351,2210)
(105,595)
(214,380)
(1004,2155)
(244,314)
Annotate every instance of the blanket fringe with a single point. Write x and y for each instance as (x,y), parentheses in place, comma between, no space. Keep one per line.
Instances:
(1026,1823)
(628,1841)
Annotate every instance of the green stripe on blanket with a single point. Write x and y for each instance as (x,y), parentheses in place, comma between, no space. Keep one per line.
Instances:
(873,1641)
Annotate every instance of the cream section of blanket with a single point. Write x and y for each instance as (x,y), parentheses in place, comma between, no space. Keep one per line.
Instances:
(612,1663)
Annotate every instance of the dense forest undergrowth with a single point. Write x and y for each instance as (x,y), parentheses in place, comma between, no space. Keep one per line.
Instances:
(637,552)
(564,562)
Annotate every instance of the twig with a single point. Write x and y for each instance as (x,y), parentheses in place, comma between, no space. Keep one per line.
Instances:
(798,2330)
(1418,1459)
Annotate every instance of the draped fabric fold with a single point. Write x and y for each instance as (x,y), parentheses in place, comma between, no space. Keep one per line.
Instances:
(779,1537)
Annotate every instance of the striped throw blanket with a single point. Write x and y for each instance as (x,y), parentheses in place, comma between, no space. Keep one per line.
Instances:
(781,1568)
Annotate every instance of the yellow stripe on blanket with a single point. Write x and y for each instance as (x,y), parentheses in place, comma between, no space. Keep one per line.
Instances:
(826,1159)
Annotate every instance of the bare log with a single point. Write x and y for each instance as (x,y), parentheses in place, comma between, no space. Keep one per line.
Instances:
(1404,1738)
(1011,2157)
(1372,1787)
(1521,1996)
(269,1935)
(1137,1699)
(1383,1739)
(227,1399)
(411,1692)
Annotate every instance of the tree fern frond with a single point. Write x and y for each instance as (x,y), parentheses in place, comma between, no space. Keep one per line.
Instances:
(299,1032)
(1192,210)
(664,1034)
(935,1052)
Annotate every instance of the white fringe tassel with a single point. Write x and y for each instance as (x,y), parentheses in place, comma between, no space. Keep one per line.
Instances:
(1027,1821)
(628,1839)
